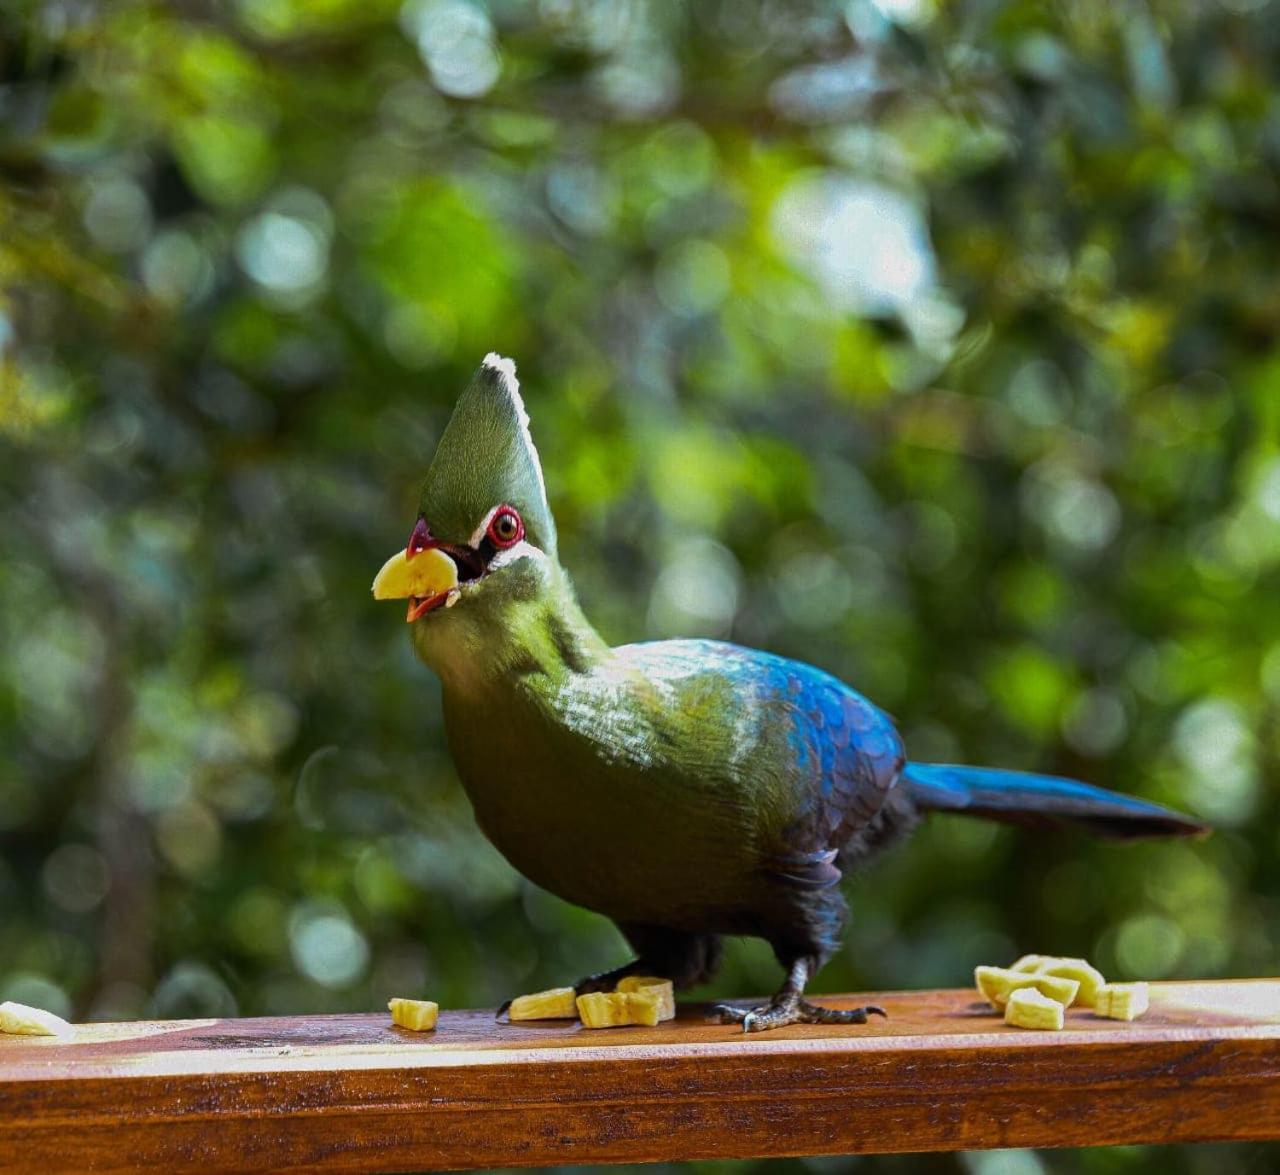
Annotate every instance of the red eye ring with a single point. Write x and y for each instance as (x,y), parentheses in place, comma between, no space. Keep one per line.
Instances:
(506,528)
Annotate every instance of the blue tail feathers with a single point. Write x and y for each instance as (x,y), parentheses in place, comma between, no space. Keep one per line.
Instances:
(1015,797)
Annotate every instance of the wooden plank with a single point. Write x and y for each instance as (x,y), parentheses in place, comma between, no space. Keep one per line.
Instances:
(353,1093)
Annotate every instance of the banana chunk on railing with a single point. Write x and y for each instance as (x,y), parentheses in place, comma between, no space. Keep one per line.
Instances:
(1081,970)
(662,988)
(998,984)
(20,1020)
(557,1003)
(617,1009)
(1027,1008)
(416,1015)
(1063,979)
(1122,1001)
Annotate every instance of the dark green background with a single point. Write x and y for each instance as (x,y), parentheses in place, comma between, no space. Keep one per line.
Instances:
(932,343)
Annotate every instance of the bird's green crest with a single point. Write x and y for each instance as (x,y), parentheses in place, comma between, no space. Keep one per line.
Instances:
(486,458)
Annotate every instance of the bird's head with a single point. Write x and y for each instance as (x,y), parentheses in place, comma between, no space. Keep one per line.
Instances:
(484,538)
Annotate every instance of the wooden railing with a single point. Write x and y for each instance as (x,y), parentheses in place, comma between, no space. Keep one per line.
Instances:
(352,1093)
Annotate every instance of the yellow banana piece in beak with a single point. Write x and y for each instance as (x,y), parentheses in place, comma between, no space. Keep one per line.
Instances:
(427,581)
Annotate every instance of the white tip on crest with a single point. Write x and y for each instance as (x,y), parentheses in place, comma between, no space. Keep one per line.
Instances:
(505,366)
(507,369)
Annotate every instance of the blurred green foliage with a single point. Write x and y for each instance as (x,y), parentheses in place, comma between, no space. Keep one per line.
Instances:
(932,343)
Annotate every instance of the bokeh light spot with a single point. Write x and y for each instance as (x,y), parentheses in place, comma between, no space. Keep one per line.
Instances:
(696,592)
(282,253)
(36,991)
(192,990)
(117,213)
(75,877)
(693,277)
(866,244)
(1215,744)
(456,42)
(1149,946)
(326,946)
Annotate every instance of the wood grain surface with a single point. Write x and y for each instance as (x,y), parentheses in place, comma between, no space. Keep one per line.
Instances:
(353,1093)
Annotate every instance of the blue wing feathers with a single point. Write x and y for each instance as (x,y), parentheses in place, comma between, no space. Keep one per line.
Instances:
(859,758)
(845,756)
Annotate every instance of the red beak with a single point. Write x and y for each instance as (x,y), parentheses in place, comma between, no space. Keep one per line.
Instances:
(420,539)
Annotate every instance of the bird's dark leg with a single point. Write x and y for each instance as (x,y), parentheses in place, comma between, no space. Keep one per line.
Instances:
(608,980)
(604,981)
(789,1006)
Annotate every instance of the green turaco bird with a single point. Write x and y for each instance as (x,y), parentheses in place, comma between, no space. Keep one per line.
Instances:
(686,789)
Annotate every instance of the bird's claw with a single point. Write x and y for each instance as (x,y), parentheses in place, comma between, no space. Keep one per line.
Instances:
(780,1013)
(812,1014)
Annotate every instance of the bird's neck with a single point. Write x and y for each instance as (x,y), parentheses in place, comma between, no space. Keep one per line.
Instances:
(477,650)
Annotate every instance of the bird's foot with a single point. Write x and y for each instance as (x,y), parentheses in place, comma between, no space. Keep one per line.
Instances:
(789,1009)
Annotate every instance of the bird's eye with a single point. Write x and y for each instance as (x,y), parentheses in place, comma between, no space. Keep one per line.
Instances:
(505,528)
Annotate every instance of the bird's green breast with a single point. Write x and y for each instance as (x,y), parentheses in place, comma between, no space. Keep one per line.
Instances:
(635,798)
